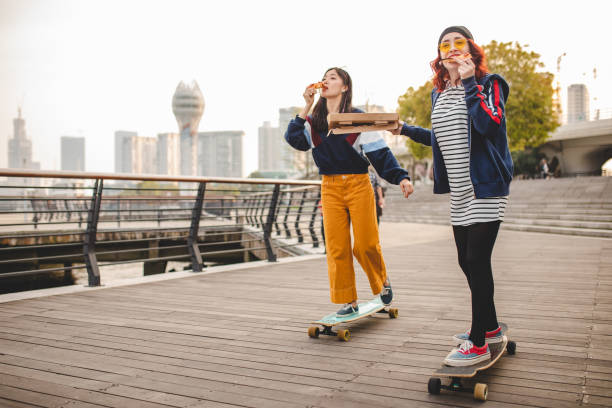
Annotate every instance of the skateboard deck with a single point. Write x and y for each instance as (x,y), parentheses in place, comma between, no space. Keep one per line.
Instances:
(342,123)
(457,373)
(365,309)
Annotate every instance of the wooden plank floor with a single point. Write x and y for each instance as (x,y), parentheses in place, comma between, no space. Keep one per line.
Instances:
(238,338)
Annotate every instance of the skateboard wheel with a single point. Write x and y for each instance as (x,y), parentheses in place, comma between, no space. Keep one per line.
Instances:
(393,312)
(511,348)
(344,335)
(313,331)
(434,385)
(481,391)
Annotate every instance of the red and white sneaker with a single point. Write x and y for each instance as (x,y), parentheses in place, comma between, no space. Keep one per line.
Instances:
(467,354)
(495,336)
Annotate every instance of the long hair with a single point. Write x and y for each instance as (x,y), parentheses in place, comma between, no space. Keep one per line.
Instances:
(441,75)
(319,113)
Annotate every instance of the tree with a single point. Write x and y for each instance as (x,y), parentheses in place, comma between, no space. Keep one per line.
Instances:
(530,110)
(415,109)
(532,115)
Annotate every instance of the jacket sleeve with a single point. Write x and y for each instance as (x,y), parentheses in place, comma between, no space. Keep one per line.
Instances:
(381,157)
(418,134)
(298,135)
(485,105)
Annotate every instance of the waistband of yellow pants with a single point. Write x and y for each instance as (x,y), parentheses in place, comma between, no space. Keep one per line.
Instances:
(344,177)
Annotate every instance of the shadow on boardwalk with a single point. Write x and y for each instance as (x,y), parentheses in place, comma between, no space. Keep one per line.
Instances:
(238,338)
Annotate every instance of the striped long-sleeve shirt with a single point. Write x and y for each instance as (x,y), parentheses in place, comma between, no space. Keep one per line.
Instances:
(449,121)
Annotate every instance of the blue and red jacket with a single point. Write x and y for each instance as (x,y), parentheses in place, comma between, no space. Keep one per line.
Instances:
(491,164)
(345,154)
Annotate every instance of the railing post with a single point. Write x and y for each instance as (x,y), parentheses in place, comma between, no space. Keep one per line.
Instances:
(297,218)
(35,210)
(280,203)
(313,234)
(192,239)
(249,211)
(89,244)
(289,201)
(269,221)
(260,206)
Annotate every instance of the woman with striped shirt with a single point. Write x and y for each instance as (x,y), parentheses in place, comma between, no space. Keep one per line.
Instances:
(472,162)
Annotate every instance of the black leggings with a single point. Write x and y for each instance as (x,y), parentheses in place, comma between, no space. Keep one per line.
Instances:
(474,247)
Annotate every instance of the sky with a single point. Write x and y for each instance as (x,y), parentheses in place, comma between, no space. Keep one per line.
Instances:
(89,67)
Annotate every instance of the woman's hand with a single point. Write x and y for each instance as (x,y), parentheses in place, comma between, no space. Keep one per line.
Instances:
(309,94)
(465,67)
(309,98)
(406,186)
(398,130)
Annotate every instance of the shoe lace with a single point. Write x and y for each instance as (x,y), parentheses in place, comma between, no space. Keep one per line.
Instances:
(466,346)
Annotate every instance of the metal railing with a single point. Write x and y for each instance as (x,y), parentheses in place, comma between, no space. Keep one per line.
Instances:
(52,221)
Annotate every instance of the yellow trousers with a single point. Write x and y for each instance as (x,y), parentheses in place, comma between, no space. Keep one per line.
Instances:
(346,199)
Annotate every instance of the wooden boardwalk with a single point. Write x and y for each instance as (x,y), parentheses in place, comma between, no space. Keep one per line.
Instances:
(238,338)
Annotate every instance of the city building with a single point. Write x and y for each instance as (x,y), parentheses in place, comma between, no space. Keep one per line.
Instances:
(144,155)
(269,147)
(220,153)
(168,154)
(293,160)
(577,103)
(20,147)
(188,107)
(72,153)
(124,147)
(135,154)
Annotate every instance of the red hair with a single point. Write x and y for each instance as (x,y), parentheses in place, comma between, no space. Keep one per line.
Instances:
(441,75)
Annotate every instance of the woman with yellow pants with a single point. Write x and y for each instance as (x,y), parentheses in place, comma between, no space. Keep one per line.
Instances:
(346,193)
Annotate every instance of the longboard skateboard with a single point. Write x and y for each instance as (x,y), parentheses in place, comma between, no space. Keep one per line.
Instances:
(365,309)
(480,390)
(342,123)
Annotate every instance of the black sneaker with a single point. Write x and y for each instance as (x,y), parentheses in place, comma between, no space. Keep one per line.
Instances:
(387,294)
(347,310)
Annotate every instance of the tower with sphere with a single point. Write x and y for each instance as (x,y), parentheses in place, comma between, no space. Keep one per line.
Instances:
(188,107)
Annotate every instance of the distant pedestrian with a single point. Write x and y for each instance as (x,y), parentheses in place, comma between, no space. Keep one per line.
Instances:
(379,194)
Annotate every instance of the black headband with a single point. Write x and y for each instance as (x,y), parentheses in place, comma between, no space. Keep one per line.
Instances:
(456,29)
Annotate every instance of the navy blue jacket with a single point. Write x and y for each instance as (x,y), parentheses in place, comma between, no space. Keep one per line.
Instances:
(491,165)
(345,154)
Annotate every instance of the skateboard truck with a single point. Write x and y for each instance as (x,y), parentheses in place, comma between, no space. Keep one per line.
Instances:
(480,391)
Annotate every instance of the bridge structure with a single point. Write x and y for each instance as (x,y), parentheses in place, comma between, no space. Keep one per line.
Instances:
(582,147)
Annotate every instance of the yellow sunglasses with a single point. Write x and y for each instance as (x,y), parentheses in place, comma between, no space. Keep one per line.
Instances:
(445,46)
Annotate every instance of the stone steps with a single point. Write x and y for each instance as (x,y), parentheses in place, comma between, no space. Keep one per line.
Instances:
(581,207)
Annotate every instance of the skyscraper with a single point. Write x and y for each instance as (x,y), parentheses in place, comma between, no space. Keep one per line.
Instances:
(269,145)
(291,159)
(168,154)
(20,147)
(220,153)
(144,158)
(72,153)
(577,103)
(188,107)
(124,147)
